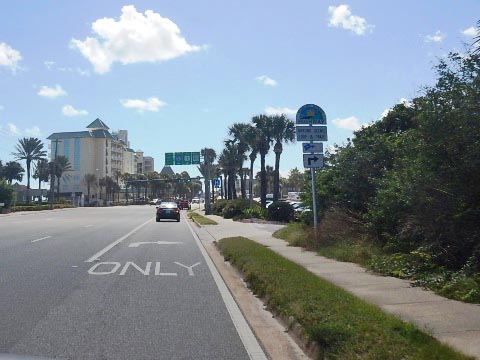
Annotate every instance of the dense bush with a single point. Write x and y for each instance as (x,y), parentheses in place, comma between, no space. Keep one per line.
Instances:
(255,212)
(6,193)
(217,207)
(280,211)
(234,208)
(412,176)
(42,207)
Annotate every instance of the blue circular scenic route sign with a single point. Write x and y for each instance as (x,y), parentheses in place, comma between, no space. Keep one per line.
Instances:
(311,114)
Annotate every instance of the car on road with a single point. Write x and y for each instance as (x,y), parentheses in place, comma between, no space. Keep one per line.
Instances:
(155,202)
(195,201)
(168,210)
(183,204)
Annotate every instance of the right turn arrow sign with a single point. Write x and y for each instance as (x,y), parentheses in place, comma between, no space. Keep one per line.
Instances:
(313,160)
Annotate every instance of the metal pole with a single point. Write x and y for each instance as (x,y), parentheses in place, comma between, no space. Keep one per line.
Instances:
(314,196)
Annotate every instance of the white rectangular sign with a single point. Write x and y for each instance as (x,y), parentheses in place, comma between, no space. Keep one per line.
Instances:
(312,148)
(311,133)
(313,160)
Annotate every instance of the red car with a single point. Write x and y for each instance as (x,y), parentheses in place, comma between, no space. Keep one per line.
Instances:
(183,204)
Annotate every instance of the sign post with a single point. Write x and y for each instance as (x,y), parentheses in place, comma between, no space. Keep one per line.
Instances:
(315,118)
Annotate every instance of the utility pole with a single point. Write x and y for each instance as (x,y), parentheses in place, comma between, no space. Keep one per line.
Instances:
(52,173)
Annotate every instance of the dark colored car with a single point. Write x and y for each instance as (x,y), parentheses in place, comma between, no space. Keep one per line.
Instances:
(168,210)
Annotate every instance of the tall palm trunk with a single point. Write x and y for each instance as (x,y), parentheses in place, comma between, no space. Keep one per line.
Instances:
(276,177)
(243,190)
(28,182)
(263,182)
(253,157)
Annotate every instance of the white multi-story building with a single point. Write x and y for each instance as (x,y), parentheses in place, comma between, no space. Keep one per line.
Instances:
(94,151)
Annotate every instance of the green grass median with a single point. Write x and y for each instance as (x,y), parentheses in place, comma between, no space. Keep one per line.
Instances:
(200,219)
(342,325)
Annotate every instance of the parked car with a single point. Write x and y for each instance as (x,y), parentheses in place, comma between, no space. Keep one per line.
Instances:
(155,202)
(168,210)
(195,201)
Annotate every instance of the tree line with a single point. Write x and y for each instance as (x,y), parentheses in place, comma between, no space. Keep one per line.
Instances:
(247,141)
(413,176)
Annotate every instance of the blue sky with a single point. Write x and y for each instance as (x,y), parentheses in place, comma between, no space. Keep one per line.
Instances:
(176,74)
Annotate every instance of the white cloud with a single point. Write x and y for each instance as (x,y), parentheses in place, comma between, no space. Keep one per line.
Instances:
(151,104)
(403,101)
(52,92)
(33,131)
(265,80)
(278,111)
(349,123)
(341,16)
(13,129)
(437,37)
(133,38)
(470,32)
(69,110)
(9,57)
(50,65)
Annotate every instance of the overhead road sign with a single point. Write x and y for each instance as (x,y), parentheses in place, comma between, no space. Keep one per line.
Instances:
(311,133)
(196,158)
(311,114)
(187,158)
(313,161)
(169,159)
(316,148)
(179,158)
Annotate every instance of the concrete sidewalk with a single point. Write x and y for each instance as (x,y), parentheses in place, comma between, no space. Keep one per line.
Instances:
(452,322)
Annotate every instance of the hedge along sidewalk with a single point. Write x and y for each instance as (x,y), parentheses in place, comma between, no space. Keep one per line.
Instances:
(450,321)
(200,219)
(341,325)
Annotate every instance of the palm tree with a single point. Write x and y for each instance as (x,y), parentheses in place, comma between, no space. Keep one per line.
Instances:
(42,173)
(229,160)
(264,125)
(252,139)
(89,180)
(12,170)
(61,165)
(240,131)
(117,174)
(283,131)
(209,156)
(29,149)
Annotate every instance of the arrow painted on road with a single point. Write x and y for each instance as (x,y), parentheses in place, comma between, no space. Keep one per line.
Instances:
(314,159)
(137,244)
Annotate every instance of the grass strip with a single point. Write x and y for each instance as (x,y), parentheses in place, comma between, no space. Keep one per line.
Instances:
(202,220)
(342,325)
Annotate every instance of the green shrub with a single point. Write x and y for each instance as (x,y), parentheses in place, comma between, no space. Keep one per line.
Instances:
(255,212)
(217,207)
(6,193)
(280,211)
(235,207)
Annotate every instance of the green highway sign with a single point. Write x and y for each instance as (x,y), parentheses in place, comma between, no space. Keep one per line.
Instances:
(195,158)
(187,158)
(178,158)
(182,158)
(168,158)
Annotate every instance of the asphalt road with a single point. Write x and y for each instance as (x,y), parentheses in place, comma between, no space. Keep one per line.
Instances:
(109,283)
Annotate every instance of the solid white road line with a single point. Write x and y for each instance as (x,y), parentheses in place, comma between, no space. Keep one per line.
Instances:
(116,242)
(249,340)
(46,237)
(86,226)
